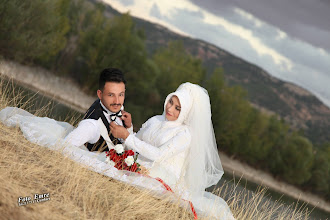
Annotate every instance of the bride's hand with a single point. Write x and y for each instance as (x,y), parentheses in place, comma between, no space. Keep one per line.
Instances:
(118,131)
(143,170)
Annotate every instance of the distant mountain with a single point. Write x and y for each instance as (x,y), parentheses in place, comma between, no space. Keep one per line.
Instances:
(296,105)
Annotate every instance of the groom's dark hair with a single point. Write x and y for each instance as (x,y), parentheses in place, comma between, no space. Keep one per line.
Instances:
(111,75)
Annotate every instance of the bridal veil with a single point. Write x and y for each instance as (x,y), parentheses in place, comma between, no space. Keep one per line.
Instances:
(202,166)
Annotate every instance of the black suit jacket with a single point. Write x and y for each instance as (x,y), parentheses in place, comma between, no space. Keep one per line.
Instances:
(96,112)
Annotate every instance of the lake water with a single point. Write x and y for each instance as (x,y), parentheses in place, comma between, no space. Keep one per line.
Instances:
(39,104)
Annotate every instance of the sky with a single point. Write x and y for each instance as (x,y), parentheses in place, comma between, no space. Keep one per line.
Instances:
(288,39)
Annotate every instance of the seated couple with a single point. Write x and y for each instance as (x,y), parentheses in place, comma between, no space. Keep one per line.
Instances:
(178,146)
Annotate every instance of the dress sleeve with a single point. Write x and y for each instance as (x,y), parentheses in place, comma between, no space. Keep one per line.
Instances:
(130,130)
(174,146)
(87,131)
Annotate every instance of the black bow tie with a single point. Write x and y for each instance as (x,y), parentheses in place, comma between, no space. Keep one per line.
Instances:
(114,116)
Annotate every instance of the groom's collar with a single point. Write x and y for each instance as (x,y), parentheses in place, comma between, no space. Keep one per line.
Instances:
(106,110)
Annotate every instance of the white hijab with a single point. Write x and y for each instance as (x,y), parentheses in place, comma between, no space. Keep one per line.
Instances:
(202,167)
(160,128)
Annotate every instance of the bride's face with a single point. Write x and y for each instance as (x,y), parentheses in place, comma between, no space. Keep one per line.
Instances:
(173,108)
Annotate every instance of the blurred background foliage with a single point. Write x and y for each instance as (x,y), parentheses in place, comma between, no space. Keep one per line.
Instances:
(78,39)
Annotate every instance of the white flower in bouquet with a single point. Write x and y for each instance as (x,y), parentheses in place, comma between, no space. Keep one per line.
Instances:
(119,148)
(129,160)
(110,162)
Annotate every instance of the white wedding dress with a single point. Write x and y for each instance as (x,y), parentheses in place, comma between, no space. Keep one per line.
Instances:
(165,161)
(172,141)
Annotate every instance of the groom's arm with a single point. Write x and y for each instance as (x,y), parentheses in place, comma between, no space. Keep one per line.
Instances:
(87,131)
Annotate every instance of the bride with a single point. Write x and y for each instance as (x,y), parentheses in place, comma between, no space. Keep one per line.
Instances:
(179,147)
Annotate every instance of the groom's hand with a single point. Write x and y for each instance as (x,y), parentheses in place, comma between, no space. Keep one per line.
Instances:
(127,119)
(118,131)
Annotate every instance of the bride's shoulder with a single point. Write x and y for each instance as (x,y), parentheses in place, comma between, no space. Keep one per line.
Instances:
(153,119)
(157,118)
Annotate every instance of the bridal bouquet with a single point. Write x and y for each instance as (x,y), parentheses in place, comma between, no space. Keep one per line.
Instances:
(122,159)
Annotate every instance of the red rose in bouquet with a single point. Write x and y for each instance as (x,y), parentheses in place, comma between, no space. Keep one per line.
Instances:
(122,159)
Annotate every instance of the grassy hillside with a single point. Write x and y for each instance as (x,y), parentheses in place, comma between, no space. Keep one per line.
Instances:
(75,192)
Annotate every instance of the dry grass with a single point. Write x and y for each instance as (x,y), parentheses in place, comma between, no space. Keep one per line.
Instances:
(255,205)
(75,192)
(78,193)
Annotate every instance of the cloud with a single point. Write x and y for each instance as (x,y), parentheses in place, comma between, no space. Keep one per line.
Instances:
(191,20)
(141,9)
(199,19)
(155,12)
(297,51)
(290,16)
(249,17)
(246,36)
(127,2)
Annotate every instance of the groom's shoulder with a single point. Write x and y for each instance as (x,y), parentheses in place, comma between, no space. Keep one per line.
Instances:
(88,122)
(94,111)
(88,127)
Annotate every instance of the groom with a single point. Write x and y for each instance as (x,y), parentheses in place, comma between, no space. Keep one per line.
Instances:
(108,108)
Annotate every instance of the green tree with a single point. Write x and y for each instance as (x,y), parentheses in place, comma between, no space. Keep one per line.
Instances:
(320,179)
(254,148)
(298,159)
(116,43)
(32,31)
(76,15)
(229,112)
(176,66)
(276,135)
(327,153)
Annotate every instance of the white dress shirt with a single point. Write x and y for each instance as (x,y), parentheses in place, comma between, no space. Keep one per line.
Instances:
(88,130)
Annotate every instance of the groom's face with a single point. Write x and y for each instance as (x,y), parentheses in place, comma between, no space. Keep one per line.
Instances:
(112,96)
